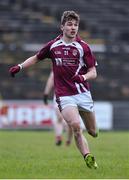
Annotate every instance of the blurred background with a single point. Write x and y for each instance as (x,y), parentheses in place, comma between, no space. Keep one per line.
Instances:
(25,25)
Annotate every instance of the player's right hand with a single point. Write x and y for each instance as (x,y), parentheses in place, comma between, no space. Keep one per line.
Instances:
(13,70)
(78,78)
(45,99)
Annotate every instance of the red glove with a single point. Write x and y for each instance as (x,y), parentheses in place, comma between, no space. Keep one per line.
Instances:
(13,70)
(78,78)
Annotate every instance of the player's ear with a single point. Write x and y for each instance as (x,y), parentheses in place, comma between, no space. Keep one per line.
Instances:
(61,27)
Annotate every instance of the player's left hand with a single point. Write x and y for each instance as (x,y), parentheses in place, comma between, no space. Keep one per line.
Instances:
(78,78)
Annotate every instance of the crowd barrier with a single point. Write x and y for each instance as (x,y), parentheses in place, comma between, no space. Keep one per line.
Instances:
(33,114)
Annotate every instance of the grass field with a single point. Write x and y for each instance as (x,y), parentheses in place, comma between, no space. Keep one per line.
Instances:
(30,154)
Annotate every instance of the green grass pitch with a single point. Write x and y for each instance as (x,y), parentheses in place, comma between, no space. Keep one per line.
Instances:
(33,154)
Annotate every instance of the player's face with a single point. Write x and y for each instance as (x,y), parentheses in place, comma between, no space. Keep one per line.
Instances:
(70,29)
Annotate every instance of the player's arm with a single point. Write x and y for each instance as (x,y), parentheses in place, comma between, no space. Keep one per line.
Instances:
(48,87)
(91,74)
(91,63)
(28,62)
(42,54)
(49,84)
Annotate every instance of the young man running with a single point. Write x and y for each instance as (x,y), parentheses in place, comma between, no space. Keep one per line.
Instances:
(73,66)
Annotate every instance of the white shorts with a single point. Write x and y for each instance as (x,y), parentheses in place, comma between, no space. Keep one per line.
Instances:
(83,101)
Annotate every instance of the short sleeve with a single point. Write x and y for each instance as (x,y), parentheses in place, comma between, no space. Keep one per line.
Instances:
(44,52)
(89,58)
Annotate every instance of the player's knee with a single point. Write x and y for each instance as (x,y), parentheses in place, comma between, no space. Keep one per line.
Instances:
(76,128)
(93,132)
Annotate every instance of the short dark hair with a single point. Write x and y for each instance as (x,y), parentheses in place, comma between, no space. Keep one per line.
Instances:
(69,15)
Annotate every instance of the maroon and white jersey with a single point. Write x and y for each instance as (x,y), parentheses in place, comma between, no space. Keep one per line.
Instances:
(68,60)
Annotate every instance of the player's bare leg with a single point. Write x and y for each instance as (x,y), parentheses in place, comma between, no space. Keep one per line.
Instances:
(69,135)
(71,116)
(59,128)
(90,122)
